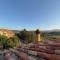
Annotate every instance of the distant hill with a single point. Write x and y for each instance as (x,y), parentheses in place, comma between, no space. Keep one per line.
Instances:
(16,31)
(52,32)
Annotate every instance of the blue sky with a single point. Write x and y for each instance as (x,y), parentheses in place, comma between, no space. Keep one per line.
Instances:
(30,14)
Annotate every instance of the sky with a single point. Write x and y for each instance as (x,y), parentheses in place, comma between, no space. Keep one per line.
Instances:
(30,14)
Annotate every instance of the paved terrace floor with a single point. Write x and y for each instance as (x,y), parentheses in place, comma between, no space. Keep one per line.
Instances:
(11,55)
(48,51)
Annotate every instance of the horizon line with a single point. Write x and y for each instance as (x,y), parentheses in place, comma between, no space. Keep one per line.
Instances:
(28,29)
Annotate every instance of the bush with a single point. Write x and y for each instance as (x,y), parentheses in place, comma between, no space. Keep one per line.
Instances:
(9,43)
(4,41)
(14,41)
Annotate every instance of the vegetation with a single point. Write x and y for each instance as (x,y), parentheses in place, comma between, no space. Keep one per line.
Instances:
(4,41)
(13,41)
(51,35)
(8,43)
(29,36)
(26,36)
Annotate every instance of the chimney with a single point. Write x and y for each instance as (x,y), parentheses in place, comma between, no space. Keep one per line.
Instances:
(37,39)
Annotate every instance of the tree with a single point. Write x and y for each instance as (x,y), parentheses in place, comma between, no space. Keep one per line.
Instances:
(23,35)
(26,36)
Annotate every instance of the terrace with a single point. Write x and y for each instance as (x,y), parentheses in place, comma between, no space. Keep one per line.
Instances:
(37,50)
